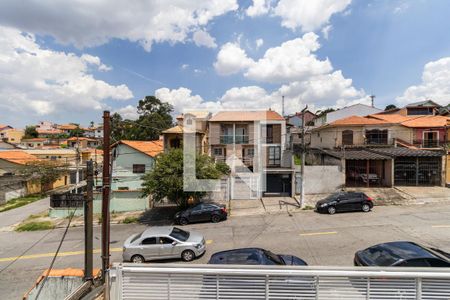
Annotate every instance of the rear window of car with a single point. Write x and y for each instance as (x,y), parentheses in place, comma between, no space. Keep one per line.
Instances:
(242,257)
(179,234)
(380,256)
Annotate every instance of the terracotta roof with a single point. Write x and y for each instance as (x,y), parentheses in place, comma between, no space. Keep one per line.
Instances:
(34,140)
(201,114)
(357,120)
(74,138)
(179,130)
(427,121)
(151,148)
(17,157)
(225,116)
(394,118)
(48,131)
(67,126)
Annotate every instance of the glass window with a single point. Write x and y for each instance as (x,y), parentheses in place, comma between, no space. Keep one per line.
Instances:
(165,240)
(274,155)
(377,136)
(149,241)
(138,168)
(347,137)
(218,151)
(420,262)
(269,134)
(179,234)
(434,262)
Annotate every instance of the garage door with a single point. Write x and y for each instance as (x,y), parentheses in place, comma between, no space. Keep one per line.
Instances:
(278,184)
(417,171)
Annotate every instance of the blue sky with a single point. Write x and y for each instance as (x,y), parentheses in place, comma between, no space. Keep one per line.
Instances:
(95,56)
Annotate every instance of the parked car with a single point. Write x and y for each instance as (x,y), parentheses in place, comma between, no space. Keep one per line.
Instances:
(254,256)
(163,242)
(345,201)
(402,254)
(202,212)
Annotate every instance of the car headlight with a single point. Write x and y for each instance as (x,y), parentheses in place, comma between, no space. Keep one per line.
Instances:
(324,205)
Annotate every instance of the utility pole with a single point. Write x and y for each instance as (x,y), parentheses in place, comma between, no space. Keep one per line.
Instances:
(88,222)
(302,170)
(105,190)
(372,100)
(282,106)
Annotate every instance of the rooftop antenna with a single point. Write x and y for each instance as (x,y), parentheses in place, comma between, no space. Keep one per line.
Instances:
(372,99)
(282,105)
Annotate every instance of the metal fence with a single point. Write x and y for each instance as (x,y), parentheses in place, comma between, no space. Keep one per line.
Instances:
(156,281)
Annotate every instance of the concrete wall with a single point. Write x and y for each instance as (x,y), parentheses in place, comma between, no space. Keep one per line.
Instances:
(55,287)
(323,179)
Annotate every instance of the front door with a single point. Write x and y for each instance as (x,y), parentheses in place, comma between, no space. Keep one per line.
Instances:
(149,248)
(197,214)
(344,203)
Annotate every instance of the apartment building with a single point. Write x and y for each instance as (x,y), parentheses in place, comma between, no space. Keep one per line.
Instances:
(253,144)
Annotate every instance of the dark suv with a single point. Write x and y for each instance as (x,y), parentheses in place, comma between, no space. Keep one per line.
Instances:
(345,201)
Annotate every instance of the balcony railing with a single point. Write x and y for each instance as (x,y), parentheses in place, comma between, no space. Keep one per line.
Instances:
(238,139)
(429,143)
(208,282)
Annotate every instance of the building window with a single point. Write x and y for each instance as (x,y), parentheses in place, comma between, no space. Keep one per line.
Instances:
(250,152)
(269,134)
(347,137)
(274,156)
(377,136)
(189,121)
(175,143)
(139,169)
(218,151)
(226,134)
(241,135)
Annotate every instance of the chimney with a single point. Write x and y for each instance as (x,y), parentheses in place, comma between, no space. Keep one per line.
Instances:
(372,100)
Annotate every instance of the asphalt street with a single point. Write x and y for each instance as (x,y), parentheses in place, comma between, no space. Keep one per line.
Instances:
(318,239)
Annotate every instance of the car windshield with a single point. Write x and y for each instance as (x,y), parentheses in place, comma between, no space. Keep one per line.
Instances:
(136,237)
(179,234)
(381,256)
(275,258)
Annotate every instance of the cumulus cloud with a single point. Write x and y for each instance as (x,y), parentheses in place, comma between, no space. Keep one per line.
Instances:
(231,59)
(308,15)
(37,81)
(259,43)
(128,112)
(182,99)
(434,85)
(203,38)
(93,23)
(258,8)
(293,60)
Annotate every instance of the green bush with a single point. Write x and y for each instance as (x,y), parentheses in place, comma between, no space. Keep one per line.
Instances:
(308,207)
(18,202)
(34,226)
(129,220)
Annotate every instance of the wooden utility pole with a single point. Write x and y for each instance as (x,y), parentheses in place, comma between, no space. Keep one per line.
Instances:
(88,221)
(302,170)
(106,191)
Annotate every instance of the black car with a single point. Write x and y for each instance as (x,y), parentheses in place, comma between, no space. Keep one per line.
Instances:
(254,256)
(202,212)
(345,201)
(402,254)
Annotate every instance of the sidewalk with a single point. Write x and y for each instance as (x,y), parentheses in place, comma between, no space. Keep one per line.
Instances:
(16,215)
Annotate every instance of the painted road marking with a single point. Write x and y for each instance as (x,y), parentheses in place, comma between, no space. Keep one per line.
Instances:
(441,226)
(51,254)
(208,242)
(318,233)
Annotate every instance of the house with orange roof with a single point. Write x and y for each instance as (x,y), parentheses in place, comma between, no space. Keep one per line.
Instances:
(131,160)
(34,143)
(384,149)
(82,142)
(254,145)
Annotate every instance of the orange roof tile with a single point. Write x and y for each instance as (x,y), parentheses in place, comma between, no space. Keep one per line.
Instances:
(226,116)
(357,120)
(151,148)
(394,118)
(17,156)
(67,126)
(427,121)
(81,139)
(34,140)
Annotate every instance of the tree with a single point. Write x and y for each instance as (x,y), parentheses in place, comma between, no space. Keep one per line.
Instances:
(390,106)
(76,132)
(47,172)
(30,132)
(166,178)
(320,113)
(154,117)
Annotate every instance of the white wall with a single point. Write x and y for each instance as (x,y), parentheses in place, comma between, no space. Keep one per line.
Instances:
(354,110)
(323,179)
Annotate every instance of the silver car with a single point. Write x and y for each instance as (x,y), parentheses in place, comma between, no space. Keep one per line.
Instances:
(163,242)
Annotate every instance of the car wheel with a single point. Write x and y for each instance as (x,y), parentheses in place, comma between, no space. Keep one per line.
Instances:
(184,221)
(365,207)
(187,255)
(215,218)
(331,210)
(137,259)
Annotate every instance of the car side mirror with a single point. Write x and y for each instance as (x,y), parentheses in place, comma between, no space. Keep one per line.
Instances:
(174,243)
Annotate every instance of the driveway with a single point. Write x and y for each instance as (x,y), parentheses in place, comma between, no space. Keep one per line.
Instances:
(16,215)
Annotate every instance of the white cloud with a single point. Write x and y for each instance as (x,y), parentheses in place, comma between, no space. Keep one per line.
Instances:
(128,112)
(326,31)
(202,38)
(93,23)
(308,15)
(36,82)
(293,60)
(259,43)
(231,59)
(184,66)
(182,99)
(258,8)
(434,85)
